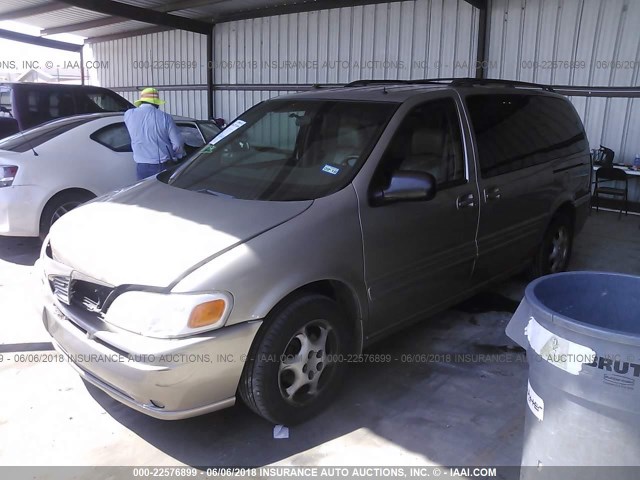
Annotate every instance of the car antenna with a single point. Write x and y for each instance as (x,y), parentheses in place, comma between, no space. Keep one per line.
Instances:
(6,110)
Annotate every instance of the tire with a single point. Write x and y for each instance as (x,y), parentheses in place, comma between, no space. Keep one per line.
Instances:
(291,374)
(554,252)
(58,206)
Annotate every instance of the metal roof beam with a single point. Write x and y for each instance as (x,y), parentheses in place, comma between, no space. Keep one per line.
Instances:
(102,22)
(42,42)
(31,11)
(311,5)
(186,4)
(125,34)
(303,6)
(480,4)
(140,14)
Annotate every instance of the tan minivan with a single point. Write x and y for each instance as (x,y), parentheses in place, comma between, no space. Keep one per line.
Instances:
(311,226)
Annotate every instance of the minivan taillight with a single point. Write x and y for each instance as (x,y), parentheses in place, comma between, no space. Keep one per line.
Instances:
(7,174)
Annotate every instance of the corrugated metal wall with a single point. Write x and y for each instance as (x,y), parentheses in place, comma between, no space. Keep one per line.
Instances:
(137,62)
(399,40)
(549,41)
(575,42)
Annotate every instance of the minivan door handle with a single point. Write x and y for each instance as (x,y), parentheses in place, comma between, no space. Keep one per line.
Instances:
(465,201)
(491,194)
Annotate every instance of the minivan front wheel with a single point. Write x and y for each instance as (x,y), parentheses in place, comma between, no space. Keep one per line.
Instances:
(555,251)
(295,367)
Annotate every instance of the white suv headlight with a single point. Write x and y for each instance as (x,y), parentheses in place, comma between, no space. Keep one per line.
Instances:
(170,315)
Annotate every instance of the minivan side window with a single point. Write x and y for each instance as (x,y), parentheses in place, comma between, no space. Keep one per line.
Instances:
(49,104)
(99,101)
(429,140)
(5,99)
(61,104)
(519,131)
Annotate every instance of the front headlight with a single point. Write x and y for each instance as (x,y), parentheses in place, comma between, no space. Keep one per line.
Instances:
(170,315)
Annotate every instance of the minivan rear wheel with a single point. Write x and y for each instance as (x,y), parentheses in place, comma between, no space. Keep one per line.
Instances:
(295,366)
(555,250)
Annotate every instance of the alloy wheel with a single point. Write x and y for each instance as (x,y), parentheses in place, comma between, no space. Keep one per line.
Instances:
(559,250)
(306,364)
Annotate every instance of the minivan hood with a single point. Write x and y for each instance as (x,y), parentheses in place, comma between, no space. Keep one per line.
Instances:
(152,233)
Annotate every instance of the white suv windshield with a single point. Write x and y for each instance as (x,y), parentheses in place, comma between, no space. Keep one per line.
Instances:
(287,150)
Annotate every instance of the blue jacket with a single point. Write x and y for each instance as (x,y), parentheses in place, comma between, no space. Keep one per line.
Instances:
(155,138)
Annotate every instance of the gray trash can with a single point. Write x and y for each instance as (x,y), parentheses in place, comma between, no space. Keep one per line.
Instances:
(581,331)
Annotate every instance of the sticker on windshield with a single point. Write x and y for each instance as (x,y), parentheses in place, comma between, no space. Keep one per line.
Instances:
(330,169)
(227,131)
(208,149)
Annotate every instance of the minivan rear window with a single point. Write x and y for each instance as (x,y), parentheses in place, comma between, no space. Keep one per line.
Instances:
(516,131)
(33,137)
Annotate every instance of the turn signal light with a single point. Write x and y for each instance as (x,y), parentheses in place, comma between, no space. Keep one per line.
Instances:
(207,313)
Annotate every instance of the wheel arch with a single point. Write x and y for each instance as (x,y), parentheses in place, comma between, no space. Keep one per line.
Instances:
(342,294)
(64,191)
(565,208)
(59,193)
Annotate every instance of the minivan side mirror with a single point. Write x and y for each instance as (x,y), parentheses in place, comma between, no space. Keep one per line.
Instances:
(406,186)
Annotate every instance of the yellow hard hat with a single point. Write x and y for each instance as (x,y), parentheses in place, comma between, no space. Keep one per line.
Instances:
(149,95)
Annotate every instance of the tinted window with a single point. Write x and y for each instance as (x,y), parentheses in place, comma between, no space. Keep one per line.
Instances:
(190,135)
(21,142)
(287,150)
(5,99)
(429,140)
(60,104)
(100,101)
(518,131)
(209,130)
(37,109)
(8,126)
(44,105)
(115,136)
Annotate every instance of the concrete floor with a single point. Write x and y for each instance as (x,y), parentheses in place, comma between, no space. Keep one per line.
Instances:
(433,412)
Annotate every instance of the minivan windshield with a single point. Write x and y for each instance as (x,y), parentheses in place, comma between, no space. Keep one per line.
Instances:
(285,150)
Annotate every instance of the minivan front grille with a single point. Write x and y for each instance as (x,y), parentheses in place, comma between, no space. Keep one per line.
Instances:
(60,285)
(89,296)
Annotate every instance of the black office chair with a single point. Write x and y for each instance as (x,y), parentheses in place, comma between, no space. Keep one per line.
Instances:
(608,174)
(603,156)
(607,156)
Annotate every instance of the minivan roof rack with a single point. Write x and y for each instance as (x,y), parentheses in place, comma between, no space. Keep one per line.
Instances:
(469,82)
(364,83)
(456,82)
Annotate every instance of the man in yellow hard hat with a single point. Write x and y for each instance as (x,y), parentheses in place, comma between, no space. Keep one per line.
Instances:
(155,138)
